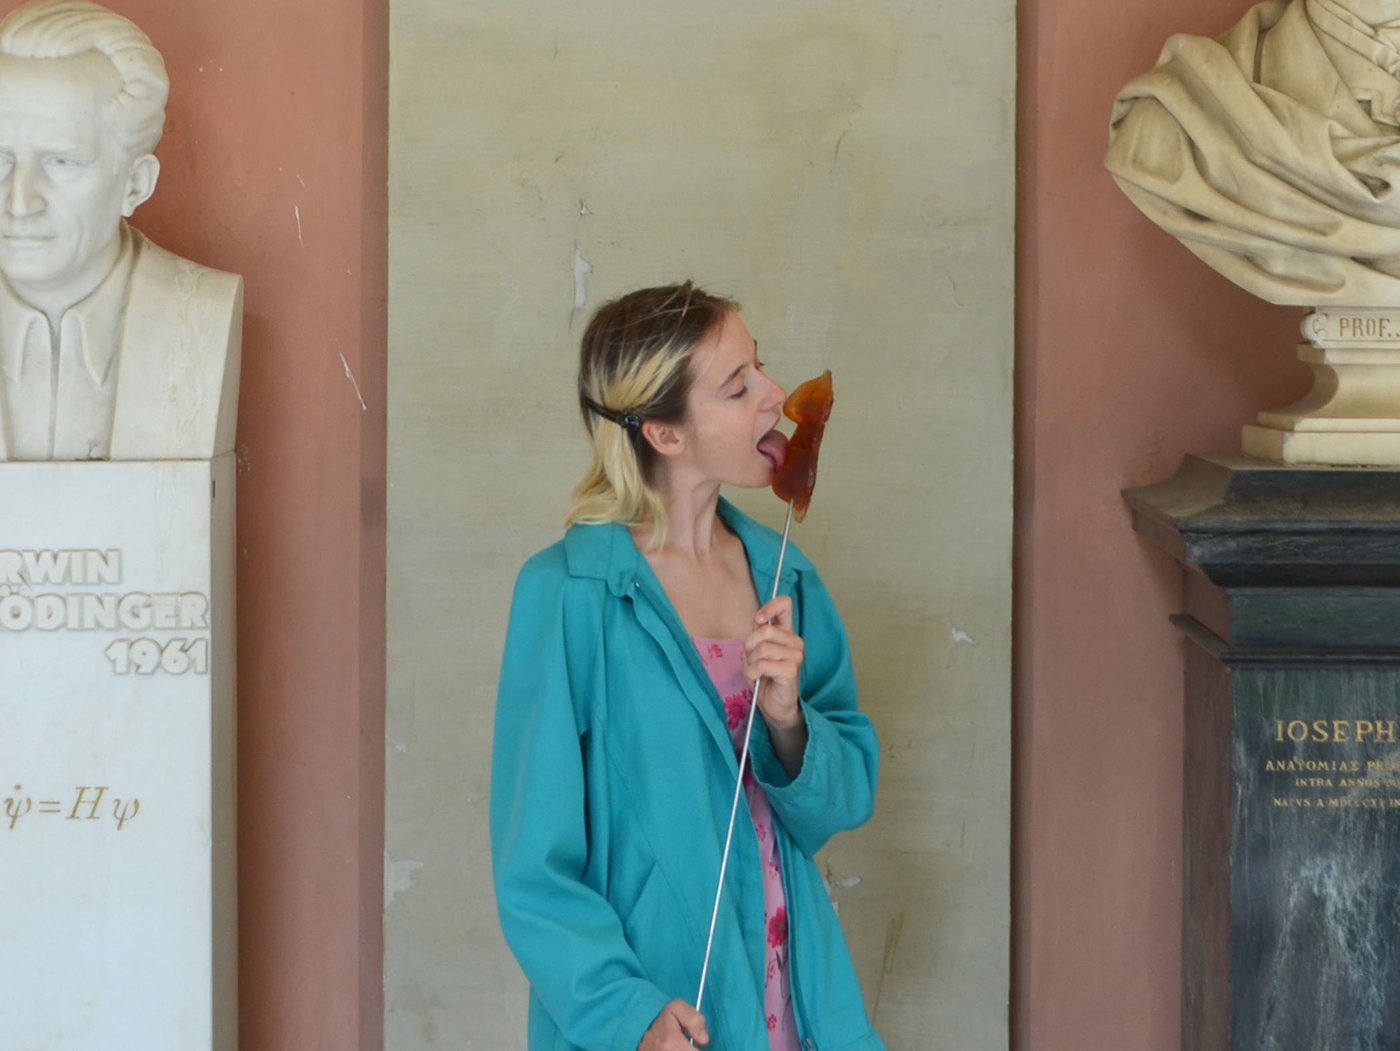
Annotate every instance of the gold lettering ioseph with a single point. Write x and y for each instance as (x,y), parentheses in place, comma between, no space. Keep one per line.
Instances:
(1336,731)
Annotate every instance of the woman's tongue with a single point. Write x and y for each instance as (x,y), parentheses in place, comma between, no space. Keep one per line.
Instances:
(773,448)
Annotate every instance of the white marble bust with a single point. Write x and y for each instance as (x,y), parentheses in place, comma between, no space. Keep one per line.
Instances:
(1273,151)
(110,346)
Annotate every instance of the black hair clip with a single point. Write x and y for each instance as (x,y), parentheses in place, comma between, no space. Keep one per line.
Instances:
(626,420)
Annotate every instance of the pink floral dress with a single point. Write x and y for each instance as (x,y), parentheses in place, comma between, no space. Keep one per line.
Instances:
(724,660)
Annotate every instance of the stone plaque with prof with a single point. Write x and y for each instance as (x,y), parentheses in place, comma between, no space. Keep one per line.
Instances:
(119,367)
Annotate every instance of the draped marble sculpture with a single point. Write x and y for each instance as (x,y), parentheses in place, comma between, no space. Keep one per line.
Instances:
(110,346)
(1272,153)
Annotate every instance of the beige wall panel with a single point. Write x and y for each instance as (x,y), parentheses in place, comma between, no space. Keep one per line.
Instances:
(845,170)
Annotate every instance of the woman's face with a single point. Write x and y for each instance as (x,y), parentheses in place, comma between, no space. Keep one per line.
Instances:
(732,408)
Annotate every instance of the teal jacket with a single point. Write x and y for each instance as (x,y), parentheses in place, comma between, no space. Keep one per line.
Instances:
(612,778)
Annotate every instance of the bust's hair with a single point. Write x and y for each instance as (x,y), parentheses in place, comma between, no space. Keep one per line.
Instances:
(66,28)
(633,362)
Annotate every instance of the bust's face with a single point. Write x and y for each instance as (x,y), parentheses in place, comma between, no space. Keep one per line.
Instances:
(64,179)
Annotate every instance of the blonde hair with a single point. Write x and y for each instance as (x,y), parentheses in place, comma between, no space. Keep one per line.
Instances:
(632,368)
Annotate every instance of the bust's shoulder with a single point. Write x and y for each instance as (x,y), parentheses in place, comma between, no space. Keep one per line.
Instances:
(159,269)
(180,356)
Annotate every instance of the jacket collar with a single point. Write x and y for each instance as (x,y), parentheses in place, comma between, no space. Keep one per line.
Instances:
(608,553)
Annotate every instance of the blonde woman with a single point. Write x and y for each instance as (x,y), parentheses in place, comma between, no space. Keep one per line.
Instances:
(624,691)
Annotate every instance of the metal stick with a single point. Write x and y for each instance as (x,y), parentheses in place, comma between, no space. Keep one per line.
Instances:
(739,784)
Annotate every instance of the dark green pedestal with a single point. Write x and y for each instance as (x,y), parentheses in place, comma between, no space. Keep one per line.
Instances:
(1292,751)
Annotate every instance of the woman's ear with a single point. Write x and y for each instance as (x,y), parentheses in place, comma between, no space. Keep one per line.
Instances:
(665,438)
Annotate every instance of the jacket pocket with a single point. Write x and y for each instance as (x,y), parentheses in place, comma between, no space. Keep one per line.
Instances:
(652,927)
(639,918)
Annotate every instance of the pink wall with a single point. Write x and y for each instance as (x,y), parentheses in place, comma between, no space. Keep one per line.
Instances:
(274,167)
(1131,352)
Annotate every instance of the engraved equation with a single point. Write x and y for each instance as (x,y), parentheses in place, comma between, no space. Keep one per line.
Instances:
(87,805)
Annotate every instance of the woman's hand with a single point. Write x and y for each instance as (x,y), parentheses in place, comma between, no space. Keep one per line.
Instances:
(773,653)
(669,1031)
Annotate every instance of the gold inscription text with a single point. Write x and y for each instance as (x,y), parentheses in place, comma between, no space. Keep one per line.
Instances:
(1336,731)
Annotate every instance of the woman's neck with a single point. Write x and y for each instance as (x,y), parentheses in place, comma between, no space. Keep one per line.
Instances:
(704,570)
(691,520)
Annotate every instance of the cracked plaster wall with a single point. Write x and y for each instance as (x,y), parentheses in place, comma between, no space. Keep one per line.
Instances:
(845,170)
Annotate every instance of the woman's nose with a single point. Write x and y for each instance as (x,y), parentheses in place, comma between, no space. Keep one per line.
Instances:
(776,394)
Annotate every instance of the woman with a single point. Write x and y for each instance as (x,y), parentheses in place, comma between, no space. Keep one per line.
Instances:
(623,695)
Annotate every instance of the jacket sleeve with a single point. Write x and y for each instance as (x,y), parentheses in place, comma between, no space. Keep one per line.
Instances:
(835,788)
(567,937)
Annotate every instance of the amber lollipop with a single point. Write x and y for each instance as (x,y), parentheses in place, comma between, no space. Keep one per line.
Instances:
(808,406)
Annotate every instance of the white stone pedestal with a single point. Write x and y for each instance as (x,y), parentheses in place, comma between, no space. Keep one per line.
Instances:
(117,739)
(1352,415)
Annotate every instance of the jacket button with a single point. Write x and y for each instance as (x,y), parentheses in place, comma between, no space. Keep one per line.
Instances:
(809,1044)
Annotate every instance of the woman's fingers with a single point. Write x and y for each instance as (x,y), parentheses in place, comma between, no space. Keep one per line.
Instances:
(773,652)
(778,612)
(776,656)
(675,1028)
